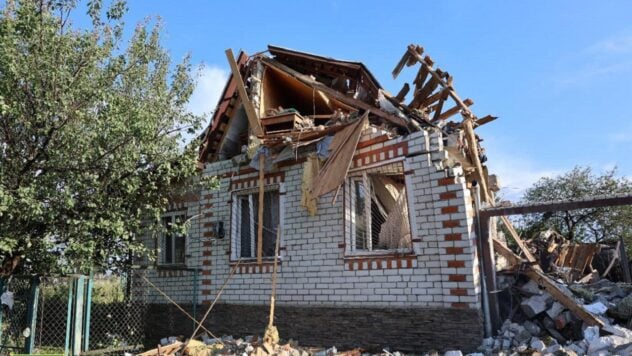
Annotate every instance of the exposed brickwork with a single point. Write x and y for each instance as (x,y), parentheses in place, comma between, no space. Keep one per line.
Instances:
(441,271)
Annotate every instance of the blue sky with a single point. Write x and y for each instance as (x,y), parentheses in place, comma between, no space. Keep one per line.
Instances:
(557,73)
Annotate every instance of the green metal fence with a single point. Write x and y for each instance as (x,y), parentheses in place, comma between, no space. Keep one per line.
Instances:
(72,315)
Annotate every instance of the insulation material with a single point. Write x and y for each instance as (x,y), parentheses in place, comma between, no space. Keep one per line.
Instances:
(395,231)
(342,148)
(311,169)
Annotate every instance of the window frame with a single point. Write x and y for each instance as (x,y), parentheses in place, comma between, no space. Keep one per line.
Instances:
(361,175)
(235,233)
(162,257)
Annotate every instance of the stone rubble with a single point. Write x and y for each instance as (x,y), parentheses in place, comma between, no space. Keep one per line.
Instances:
(542,326)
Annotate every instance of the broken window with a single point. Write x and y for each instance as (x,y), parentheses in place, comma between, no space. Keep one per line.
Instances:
(378,211)
(246,223)
(173,240)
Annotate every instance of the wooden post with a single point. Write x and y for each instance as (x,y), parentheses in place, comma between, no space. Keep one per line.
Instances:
(78,317)
(262,159)
(274,276)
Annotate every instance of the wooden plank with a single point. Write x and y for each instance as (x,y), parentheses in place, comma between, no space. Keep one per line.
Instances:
(567,301)
(424,92)
(282,118)
(454,110)
(594,202)
(262,159)
(550,286)
(484,120)
(432,98)
(400,65)
(359,104)
(444,96)
(420,78)
(253,119)
(615,258)
(402,93)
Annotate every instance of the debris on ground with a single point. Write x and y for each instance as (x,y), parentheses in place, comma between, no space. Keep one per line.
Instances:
(561,305)
(205,345)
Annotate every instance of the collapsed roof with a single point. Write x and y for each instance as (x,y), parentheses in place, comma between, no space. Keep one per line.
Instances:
(293,99)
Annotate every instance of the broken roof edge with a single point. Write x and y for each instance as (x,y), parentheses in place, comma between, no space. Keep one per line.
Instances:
(359,65)
(230,86)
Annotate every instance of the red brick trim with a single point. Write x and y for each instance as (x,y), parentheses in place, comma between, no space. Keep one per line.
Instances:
(456,264)
(452,237)
(460,305)
(253,182)
(449,209)
(390,152)
(447,195)
(454,250)
(458,291)
(451,223)
(446,181)
(254,267)
(379,262)
(456,278)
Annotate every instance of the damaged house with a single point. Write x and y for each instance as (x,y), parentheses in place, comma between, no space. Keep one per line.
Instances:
(370,197)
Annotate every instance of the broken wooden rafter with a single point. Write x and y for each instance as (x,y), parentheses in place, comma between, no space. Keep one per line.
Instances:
(398,121)
(484,120)
(407,60)
(253,118)
(455,110)
(402,93)
(434,97)
(439,107)
(424,92)
(437,76)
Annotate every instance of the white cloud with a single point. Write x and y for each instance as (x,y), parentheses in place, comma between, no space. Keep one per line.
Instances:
(516,174)
(608,57)
(616,44)
(210,84)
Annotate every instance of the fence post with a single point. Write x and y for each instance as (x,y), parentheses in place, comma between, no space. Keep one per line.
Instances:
(71,286)
(78,320)
(87,311)
(29,343)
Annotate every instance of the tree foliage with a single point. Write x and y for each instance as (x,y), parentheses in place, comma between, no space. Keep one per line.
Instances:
(584,225)
(91,135)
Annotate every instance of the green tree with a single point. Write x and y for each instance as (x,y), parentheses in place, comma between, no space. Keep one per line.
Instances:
(584,225)
(91,135)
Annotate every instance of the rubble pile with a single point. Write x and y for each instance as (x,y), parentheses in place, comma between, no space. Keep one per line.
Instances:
(539,323)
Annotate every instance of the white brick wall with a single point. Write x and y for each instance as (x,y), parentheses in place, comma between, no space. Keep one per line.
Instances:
(314,270)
